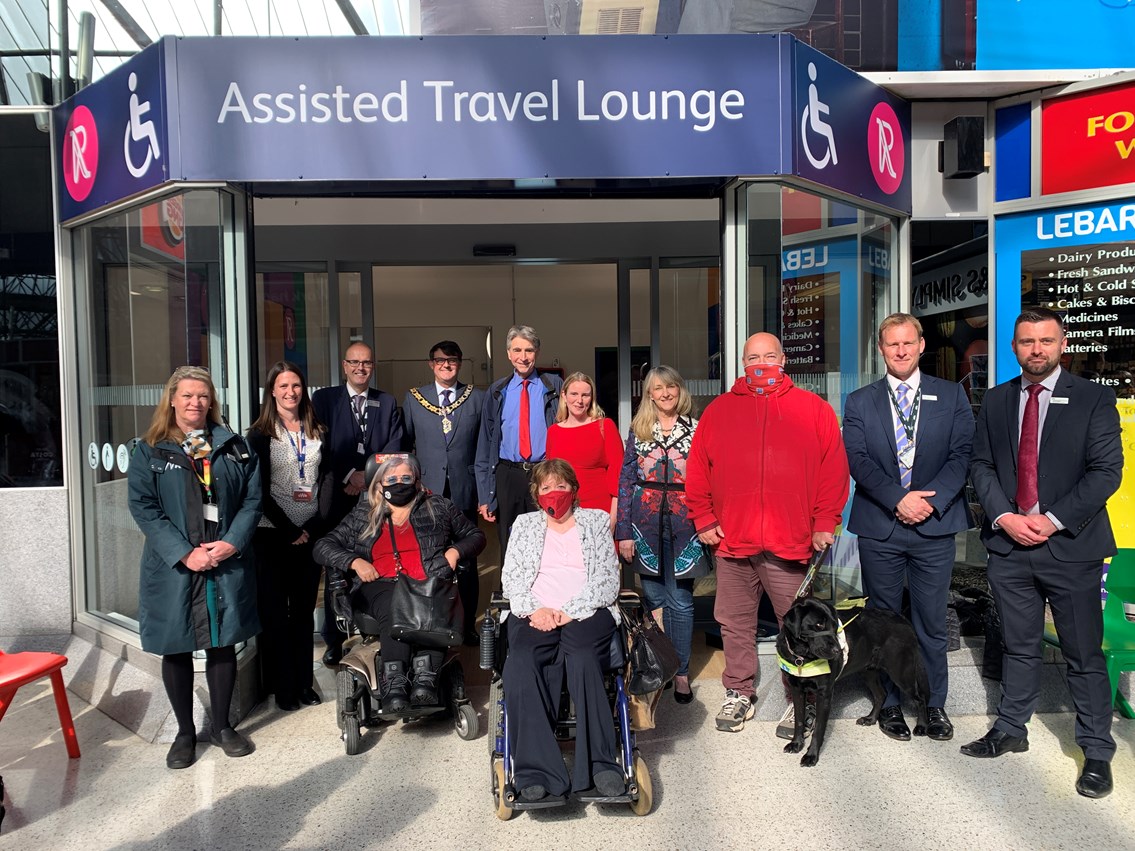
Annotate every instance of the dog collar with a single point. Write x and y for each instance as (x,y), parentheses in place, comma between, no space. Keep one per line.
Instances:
(816,667)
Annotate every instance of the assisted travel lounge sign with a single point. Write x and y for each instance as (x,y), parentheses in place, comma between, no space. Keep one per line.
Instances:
(500,108)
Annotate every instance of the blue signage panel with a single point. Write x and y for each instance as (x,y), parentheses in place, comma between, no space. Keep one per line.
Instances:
(1079,261)
(111,138)
(849,133)
(468,108)
(476,108)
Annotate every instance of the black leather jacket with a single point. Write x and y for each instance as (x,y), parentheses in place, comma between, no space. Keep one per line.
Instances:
(437,530)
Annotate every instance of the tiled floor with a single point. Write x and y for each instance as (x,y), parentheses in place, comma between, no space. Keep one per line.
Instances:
(421,787)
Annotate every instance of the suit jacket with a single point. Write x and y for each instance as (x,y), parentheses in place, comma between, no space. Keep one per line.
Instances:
(489,441)
(440,460)
(943,444)
(1079,467)
(384,432)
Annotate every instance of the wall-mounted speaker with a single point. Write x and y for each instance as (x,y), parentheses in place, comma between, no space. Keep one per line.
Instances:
(961,154)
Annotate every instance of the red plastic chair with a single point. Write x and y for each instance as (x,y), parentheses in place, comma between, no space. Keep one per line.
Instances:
(18,669)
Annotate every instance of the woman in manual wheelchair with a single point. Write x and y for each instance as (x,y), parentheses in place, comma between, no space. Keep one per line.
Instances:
(400,530)
(561,576)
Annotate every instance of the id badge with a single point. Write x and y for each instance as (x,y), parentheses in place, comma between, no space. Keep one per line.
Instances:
(302,493)
(211,513)
(361,450)
(906,457)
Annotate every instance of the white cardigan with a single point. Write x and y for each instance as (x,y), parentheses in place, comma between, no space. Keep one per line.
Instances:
(526,547)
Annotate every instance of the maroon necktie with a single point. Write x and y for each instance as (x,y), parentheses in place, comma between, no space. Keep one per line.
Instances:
(525,429)
(1027,452)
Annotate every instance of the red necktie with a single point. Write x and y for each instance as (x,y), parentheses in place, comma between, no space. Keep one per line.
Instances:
(1027,452)
(525,428)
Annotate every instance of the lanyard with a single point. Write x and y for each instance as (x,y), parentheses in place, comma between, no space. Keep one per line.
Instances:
(301,449)
(394,545)
(907,423)
(205,478)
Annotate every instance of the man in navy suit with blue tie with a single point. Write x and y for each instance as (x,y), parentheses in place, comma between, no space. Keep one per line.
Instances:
(909,438)
(443,422)
(360,421)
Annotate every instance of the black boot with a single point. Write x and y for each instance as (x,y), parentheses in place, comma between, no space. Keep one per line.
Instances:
(394,686)
(424,692)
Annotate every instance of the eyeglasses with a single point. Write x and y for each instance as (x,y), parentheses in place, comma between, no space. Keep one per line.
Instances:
(406,479)
(356,363)
(446,361)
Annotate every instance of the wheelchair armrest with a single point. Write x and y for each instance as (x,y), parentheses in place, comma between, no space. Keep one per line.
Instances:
(499,601)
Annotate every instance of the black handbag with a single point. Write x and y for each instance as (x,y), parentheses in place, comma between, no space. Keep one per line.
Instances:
(654,661)
(425,612)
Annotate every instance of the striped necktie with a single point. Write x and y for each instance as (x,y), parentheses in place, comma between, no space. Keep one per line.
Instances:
(901,440)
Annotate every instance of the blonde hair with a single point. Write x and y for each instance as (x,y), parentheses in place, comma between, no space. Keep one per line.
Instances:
(163,424)
(595,413)
(379,508)
(647,414)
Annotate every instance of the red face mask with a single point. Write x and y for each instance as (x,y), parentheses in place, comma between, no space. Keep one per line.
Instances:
(556,503)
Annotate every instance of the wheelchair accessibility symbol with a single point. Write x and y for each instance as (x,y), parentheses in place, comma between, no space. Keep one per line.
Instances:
(138,130)
(812,119)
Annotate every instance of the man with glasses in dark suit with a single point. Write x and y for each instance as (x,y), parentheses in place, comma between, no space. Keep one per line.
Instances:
(360,422)
(443,420)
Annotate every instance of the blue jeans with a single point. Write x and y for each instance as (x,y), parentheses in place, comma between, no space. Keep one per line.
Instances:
(676,599)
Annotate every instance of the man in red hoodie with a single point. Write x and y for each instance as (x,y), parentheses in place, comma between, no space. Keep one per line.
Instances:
(766,484)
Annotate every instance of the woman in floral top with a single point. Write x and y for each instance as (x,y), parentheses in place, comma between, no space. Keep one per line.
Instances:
(652,527)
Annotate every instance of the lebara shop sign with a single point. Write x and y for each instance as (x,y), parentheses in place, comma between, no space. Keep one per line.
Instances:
(502,108)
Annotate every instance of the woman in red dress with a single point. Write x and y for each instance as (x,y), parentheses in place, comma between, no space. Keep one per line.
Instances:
(590,442)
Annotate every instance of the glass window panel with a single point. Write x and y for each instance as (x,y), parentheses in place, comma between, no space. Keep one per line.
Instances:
(154,281)
(30,427)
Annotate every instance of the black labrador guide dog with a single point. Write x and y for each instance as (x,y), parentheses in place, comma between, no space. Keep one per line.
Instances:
(812,656)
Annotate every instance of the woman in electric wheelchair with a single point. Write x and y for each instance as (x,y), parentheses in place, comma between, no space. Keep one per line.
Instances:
(561,576)
(400,527)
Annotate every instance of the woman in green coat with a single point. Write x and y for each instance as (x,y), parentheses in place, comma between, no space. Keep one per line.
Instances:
(195,494)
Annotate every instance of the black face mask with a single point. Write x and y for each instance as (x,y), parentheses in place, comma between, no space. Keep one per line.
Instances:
(399,494)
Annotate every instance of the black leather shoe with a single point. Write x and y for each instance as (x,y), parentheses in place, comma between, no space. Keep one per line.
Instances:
(994,743)
(333,655)
(232,742)
(893,724)
(310,697)
(1095,779)
(938,726)
(287,704)
(183,752)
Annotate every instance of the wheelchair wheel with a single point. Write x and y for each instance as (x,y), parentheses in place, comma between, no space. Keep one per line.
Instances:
(466,722)
(503,810)
(645,800)
(352,734)
(344,688)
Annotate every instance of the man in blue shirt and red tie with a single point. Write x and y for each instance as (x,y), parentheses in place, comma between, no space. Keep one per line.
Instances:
(514,430)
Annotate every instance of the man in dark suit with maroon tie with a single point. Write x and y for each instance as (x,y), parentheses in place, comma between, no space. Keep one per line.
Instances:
(1046,457)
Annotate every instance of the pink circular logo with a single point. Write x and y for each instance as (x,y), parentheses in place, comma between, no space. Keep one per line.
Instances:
(80,154)
(885,149)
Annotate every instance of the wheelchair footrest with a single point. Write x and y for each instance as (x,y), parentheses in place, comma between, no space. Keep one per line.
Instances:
(410,714)
(595,798)
(544,803)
